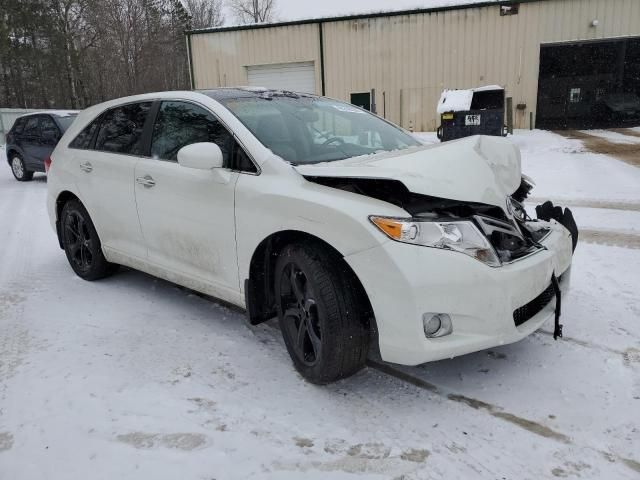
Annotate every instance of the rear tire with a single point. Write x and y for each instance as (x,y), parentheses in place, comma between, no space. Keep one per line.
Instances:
(323,314)
(82,244)
(19,169)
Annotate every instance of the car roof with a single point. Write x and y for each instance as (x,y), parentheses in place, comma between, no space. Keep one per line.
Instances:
(227,93)
(55,113)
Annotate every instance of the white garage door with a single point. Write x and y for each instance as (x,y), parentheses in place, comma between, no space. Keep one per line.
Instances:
(297,77)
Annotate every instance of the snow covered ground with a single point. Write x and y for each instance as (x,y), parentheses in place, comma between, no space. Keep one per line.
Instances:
(134,378)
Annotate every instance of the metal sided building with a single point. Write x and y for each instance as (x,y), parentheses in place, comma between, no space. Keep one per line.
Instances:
(558,60)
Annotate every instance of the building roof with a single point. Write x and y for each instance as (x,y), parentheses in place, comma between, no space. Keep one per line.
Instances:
(446,5)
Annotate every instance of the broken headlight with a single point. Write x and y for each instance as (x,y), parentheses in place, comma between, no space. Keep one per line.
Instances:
(458,236)
(516,209)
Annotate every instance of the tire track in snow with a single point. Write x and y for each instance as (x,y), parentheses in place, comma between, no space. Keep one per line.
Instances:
(497,412)
(610,238)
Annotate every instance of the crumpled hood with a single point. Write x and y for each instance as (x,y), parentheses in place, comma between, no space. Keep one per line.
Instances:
(475,169)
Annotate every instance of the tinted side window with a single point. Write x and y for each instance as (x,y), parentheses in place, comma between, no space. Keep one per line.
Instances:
(18,127)
(83,140)
(180,124)
(65,122)
(121,129)
(48,126)
(31,127)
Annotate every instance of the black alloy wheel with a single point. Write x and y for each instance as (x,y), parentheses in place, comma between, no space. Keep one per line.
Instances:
(323,312)
(82,244)
(78,240)
(300,312)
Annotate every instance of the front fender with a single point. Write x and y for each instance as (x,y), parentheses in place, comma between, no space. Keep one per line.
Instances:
(269,203)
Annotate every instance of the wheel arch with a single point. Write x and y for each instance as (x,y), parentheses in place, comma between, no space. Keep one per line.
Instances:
(62,198)
(259,287)
(11,151)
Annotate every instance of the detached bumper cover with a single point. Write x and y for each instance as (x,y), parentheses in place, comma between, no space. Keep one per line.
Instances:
(405,281)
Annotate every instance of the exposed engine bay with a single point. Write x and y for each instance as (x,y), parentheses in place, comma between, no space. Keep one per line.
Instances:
(513,236)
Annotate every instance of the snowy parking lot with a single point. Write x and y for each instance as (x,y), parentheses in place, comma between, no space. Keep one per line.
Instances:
(134,378)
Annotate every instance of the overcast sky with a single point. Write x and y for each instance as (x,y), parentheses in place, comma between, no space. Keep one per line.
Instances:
(296,9)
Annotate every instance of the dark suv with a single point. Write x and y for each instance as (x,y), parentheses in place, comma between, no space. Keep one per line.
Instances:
(32,139)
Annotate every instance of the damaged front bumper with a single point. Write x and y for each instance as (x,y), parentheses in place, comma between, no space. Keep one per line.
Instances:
(487,306)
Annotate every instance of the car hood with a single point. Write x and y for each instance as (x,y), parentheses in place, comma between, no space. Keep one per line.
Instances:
(475,169)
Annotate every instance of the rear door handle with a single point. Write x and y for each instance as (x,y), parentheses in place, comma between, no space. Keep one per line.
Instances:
(86,167)
(147,181)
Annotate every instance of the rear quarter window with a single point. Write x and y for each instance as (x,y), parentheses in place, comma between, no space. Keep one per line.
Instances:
(65,122)
(18,126)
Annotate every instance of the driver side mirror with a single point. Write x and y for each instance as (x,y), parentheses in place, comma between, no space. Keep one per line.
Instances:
(202,156)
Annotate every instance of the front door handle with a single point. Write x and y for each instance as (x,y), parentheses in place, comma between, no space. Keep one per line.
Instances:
(86,167)
(147,181)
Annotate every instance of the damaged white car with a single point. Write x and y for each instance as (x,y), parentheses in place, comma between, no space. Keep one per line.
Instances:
(344,226)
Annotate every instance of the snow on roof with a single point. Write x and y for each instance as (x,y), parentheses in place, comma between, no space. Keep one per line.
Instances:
(455,101)
(460,100)
(59,113)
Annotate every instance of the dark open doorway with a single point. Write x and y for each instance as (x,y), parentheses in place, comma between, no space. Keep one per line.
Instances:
(589,84)
(362,100)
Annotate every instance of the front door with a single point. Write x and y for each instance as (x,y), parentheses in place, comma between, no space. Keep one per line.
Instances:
(187,215)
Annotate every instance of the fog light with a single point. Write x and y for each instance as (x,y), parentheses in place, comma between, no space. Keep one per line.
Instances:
(436,324)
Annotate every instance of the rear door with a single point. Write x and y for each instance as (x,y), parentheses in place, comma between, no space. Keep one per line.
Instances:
(29,141)
(187,215)
(105,156)
(49,136)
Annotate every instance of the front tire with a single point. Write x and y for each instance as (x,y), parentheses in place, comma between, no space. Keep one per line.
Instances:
(19,169)
(82,244)
(323,314)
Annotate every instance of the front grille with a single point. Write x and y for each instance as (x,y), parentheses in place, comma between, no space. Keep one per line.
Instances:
(535,306)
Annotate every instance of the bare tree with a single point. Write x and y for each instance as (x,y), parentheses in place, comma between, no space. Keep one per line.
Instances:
(204,13)
(253,11)
(74,53)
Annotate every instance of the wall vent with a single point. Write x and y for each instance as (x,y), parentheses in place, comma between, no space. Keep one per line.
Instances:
(509,9)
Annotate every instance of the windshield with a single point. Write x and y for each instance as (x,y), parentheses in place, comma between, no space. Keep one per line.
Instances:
(65,122)
(306,129)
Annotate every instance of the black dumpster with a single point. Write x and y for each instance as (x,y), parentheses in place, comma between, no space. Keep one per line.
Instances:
(478,111)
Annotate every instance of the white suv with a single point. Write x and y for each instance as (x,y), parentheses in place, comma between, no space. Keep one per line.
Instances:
(343,225)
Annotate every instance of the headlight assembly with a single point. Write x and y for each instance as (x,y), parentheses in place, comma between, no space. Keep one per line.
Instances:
(516,209)
(460,236)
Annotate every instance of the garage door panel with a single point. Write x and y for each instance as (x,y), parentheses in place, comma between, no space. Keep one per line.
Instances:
(298,77)
(589,84)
